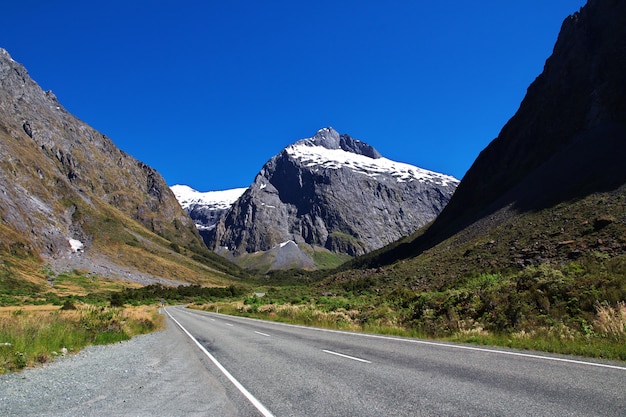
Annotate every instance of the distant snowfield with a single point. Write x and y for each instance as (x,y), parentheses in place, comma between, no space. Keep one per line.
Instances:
(187,197)
(326,158)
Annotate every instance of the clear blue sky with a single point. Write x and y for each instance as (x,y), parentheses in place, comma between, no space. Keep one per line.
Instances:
(207,91)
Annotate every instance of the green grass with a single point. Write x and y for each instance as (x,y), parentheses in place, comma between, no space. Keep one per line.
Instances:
(329,260)
(29,336)
(489,309)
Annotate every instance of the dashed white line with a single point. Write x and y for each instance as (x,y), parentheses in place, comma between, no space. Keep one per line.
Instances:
(256,403)
(346,356)
(453,346)
(262,334)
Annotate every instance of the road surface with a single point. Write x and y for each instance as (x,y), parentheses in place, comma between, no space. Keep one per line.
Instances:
(286,370)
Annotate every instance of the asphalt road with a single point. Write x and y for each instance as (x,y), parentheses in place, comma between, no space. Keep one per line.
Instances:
(286,370)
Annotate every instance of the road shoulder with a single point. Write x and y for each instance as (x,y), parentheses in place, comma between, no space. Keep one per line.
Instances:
(157,374)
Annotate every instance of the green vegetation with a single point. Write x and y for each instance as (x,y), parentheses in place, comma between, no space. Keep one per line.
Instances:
(551,280)
(75,309)
(540,308)
(324,259)
(173,295)
(30,336)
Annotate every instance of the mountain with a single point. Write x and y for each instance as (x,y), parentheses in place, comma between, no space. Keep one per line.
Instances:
(328,196)
(70,199)
(567,138)
(206,208)
(535,235)
(565,142)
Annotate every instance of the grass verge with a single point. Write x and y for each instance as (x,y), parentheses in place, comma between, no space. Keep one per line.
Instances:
(31,336)
(604,337)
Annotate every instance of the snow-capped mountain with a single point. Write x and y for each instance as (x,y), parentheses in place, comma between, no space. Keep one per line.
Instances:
(332,193)
(311,155)
(205,208)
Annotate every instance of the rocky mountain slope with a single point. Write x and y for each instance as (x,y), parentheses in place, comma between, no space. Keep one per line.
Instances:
(568,137)
(554,163)
(533,243)
(328,194)
(69,196)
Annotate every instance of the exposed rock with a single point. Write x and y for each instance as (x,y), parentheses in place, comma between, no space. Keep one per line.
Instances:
(59,177)
(206,208)
(568,138)
(331,191)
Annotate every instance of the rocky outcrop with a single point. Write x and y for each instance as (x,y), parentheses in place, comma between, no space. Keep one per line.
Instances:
(334,192)
(62,180)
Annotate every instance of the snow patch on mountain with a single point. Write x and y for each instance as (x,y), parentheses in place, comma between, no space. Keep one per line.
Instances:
(218,200)
(76,245)
(314,155)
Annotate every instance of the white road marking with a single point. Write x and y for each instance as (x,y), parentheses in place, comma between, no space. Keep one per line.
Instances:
(262,334)
(231,325)
(451,346)
(257,404)
(345,356)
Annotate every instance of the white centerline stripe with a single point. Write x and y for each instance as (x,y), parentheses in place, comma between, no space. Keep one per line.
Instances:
(345,356)
(452,346)
(257,404)
(231,325)
(262,334)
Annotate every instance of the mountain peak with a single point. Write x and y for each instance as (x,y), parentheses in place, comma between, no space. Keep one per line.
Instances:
(328,194)
(329,138)
(5,54)
(326,137)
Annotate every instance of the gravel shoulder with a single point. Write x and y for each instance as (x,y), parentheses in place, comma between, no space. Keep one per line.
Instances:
(157,374)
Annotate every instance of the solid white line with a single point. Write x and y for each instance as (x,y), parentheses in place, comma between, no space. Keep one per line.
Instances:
(257,404)
(500,352)
(425,342)
(262,334)
(345,356)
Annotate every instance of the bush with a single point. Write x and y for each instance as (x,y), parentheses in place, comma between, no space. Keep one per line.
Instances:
(68,305)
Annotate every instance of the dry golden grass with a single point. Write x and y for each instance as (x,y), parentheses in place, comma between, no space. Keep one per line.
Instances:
(28,308)
(611,320)
(31,335)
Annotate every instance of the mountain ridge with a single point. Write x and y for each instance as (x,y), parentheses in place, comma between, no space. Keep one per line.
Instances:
(333,193)
(563,144)
(205,208)
(63,182)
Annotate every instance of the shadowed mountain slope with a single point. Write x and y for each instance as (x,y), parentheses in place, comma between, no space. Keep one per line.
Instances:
(566,141)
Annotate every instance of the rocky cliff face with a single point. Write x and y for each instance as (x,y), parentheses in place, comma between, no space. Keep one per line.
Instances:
(566,141)
(333,192)
(569,135)
(62,181)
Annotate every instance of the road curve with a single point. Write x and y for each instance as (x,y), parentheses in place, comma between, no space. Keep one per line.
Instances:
(298,371)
